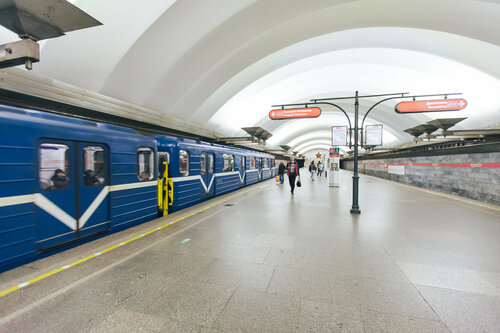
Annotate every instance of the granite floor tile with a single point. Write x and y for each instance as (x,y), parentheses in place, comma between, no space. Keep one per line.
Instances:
(61,314)
(323,317)
(289,258)
(131,321)
(238,274)
(158,262)
(285,242)
(342,290)
(201,329)
(188,246)
(15,301)
(266,240)
(192,302)
(385,269)
(493,278)
(232,237)
(445,277)
(378,322)
(235,252)
(119,286)
(256,311)
(464,311)
(413,254)
(312,285)
(392,297)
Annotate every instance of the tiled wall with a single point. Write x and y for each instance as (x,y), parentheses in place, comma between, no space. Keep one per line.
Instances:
(476,182)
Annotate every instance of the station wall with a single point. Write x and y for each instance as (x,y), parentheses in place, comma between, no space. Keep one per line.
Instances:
(474,176)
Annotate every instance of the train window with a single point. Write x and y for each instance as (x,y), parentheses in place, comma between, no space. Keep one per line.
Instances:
(54,166)
(162,157)
(252,163)
(242,163)
(273,163)
(94,166)
(145,164)
(211,163)
(183,162)
(227,163)
(265,163)
(203,164)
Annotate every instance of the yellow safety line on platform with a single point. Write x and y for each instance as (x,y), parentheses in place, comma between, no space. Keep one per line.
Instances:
(60,269)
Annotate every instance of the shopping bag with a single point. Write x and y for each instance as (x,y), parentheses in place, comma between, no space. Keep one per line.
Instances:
(299,183)
(277,178)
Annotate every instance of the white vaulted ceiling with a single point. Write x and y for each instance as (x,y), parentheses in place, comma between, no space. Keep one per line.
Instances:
(221,64)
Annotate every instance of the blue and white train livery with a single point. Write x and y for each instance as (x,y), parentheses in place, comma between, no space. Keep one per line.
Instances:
(65,180)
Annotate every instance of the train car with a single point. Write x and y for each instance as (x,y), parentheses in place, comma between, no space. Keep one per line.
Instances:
(201,170)
(64,180)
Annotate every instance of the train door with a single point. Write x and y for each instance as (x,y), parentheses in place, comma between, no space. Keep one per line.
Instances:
(242,170)
(56,209)
(92,192)
(207,161)
(68,208)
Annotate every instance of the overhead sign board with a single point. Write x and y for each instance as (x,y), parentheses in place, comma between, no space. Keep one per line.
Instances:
(431,106)
(280,114)
(339,135)
(373,135)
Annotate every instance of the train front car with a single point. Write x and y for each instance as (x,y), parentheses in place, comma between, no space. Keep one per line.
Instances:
(199,171)
(65,180)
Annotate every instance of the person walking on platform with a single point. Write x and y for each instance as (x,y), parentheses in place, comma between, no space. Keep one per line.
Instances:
(281,172)
(292,168)
(320,168)
(312,170)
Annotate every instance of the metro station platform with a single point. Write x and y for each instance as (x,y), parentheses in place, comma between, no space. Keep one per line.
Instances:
(261,260)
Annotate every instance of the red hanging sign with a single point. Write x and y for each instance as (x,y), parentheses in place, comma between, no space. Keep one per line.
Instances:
(295,113)
(431,106)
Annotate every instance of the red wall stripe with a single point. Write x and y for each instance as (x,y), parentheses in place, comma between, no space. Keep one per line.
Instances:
(453,165)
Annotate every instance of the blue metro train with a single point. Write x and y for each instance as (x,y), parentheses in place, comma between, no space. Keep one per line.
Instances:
(64,181)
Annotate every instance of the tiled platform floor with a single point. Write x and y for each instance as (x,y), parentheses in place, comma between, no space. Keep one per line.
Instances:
(411,262)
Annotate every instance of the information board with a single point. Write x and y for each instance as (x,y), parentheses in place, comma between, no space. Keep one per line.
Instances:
(339,135)
(373,135)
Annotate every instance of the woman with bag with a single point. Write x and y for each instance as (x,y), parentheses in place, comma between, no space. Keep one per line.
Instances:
(292,168)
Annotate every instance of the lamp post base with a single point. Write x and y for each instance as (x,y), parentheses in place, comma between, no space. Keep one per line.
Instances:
(355,211)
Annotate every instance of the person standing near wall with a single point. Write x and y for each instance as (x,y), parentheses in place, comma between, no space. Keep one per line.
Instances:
(292,168)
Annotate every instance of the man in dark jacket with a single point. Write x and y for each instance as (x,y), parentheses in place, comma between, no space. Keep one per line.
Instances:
(59,179)
(292,168)
(281,172)
(90,179)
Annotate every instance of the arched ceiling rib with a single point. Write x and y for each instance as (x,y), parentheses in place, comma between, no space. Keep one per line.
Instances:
(222,63)
(91,55)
